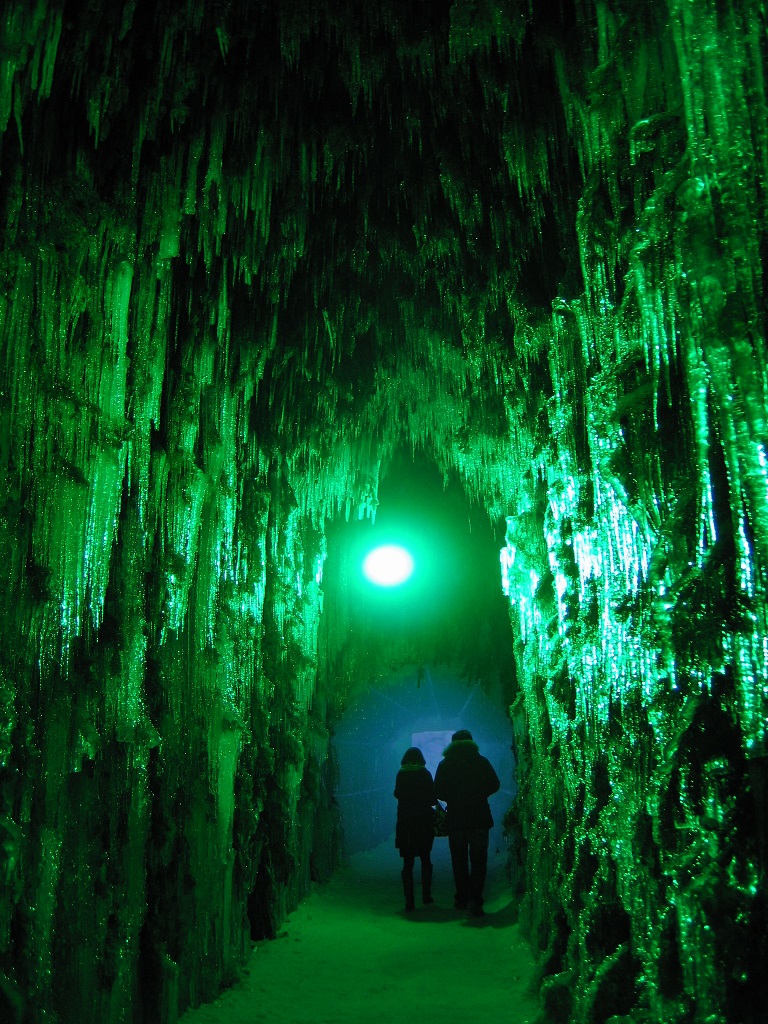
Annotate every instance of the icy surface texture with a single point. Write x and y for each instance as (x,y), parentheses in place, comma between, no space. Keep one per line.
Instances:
(636,572)
(249,251)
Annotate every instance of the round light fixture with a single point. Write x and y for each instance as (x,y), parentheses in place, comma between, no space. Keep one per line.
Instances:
(388,565)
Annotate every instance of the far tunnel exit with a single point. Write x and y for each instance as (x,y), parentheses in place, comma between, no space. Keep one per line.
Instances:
(432,744)
(410,710)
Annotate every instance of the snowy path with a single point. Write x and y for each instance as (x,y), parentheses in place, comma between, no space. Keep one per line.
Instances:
(350,955)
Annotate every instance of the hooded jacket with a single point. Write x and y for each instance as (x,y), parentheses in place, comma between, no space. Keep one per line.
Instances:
(465,779)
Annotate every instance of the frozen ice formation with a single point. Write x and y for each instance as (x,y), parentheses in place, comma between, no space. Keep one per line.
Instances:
(250,253)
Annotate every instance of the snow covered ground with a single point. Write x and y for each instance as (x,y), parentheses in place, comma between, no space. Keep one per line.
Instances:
(351,955)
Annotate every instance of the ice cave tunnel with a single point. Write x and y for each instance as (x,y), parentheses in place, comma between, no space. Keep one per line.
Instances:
(269,269)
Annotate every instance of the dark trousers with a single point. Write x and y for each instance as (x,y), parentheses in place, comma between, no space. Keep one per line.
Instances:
(426,878)
(469,859)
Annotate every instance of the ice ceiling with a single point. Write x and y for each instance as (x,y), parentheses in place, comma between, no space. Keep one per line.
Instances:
(251,253)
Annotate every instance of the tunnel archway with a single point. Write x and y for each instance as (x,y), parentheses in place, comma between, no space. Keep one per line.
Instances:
(428,657)
(451,611)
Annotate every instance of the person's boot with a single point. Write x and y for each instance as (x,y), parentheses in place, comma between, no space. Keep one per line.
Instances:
(426,883)
(408,889)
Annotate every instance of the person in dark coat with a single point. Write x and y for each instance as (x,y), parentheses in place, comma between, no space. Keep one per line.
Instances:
(464,780)
(414,831)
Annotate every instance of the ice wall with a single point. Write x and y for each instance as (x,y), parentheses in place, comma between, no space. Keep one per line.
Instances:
(635,566)
(248,250)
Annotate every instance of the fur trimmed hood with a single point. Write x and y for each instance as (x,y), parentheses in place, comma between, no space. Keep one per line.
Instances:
(460,746)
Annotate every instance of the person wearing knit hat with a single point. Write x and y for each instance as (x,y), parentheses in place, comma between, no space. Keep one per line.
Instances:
(465,779)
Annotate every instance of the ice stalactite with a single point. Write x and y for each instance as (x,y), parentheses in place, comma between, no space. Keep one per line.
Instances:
(29,38)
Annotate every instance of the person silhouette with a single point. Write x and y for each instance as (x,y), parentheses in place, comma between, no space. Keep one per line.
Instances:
(464,780)
(414,829)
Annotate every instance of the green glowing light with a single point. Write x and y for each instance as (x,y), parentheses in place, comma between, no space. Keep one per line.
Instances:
(388,565)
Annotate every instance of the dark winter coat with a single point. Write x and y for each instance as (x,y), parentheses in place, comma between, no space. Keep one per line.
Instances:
(465,779)
(415,793)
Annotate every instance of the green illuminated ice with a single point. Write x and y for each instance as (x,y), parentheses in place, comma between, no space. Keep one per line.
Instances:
(252,254)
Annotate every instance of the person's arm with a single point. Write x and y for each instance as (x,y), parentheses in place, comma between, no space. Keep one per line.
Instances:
(440,793)
(493,783)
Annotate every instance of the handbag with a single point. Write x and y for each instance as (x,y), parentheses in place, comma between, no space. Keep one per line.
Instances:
(439,818)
